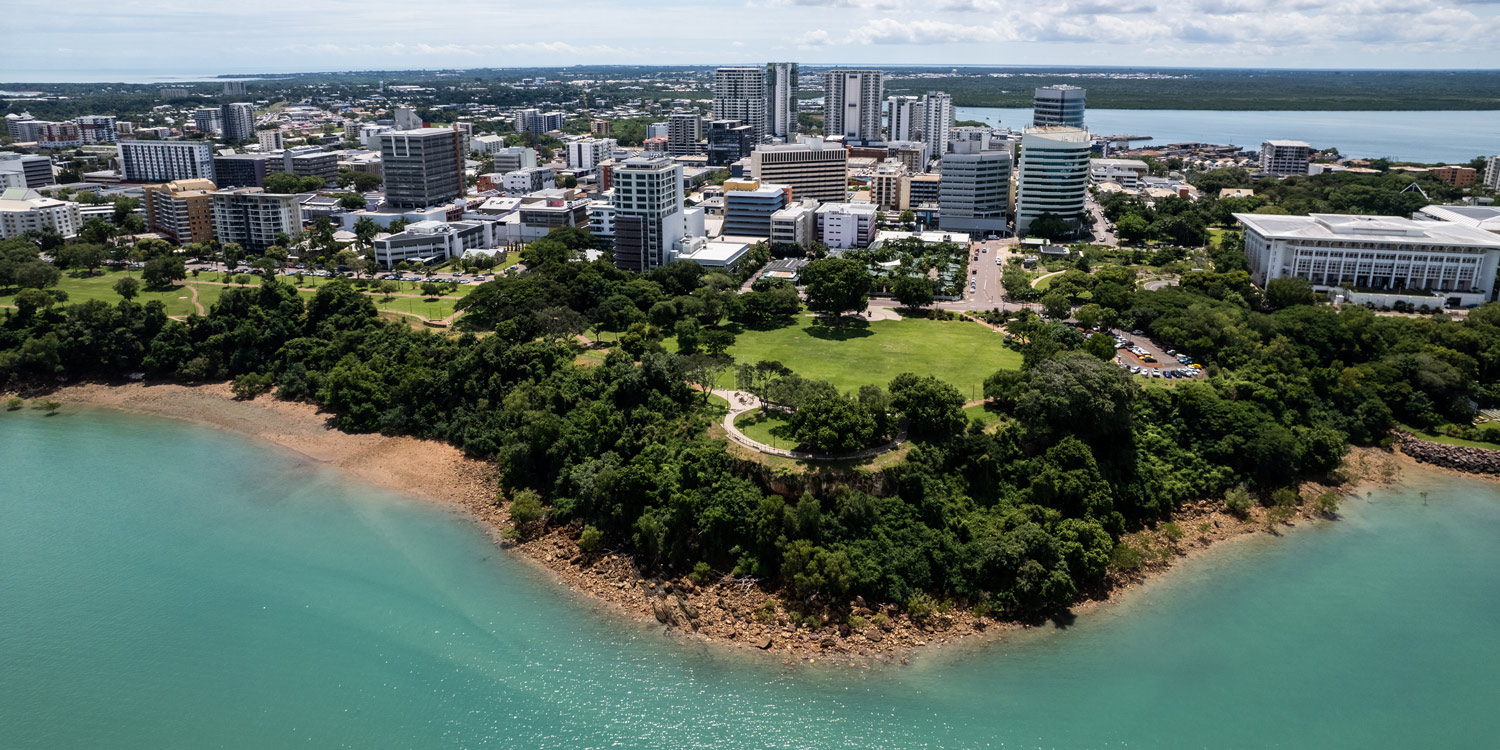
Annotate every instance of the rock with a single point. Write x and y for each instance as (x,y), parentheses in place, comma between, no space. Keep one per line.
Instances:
(844,630)
(875,636)
(660,610)
(828,642)
(764,644)
(859,600)
(687,608)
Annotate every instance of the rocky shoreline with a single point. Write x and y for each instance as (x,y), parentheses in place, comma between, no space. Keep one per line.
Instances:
(1456,457)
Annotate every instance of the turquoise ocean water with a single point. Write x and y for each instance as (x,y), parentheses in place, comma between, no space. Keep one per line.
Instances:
(167,586)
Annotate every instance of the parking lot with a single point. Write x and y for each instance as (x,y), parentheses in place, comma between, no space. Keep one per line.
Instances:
(1141,356)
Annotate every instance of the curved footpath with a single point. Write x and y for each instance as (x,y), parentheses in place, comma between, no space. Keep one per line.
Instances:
(741,402)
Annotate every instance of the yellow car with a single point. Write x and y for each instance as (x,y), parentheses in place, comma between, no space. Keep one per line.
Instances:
(1196,367)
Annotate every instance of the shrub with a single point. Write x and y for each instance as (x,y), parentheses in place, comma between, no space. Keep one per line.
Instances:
(701,573)
(526,508)
(1172,531)
(246,387)
(879,620)
(920,605)
(1286,497)
(1237,501)
(591,540)
(14,403)
(766,612)
(1327,503)
(857,623)
(1126,556)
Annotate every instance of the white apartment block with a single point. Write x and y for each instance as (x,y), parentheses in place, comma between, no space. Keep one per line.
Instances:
(487,144)
(253,218)
(586,153)
(740,94)
(904,118)
(270,140)
(23,211)
(845,225)
(1053,175)
(527,180)
(1375,254)
(796,224)
(165,161)
(851,104)
(1126,172)
(512,158)
(814,168)
(937,119)
(1284,158)
(649,220)
(1492,173)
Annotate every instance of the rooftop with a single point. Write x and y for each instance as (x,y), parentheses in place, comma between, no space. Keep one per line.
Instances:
(1289,144)
(1382,228)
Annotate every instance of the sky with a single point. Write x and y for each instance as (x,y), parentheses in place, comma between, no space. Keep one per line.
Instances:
(132,39)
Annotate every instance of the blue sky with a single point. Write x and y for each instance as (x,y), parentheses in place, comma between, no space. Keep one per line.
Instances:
(181,37)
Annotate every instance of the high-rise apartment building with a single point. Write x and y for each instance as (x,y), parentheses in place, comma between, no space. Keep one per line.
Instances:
(97,129)
(684,133)
(209,120)
(747,212)
(781,106)
(814,168)
(181,210)
(740,94)
(728,142)
(937,118)
(1492,173)
(310,161)
(648,214)
(239,121)
(19,171)
(851,104)
(270,140)
(13,124)
(422,167)
(163,161)
(1053,175)
(1284,158)
(974,192)
(1058,105)
(903,116)
(253,218)
(23,211)
(60,135)
(890,187)
(242,170)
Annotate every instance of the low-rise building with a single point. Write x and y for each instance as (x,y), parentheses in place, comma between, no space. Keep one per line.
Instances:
(747,212)
(529,180)
(427,242)
(846,225)
(23,210)
(1126,172)
(1375,254)
(796,224)
(1455,175)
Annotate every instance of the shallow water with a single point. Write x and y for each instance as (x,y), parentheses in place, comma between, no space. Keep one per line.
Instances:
(163,585)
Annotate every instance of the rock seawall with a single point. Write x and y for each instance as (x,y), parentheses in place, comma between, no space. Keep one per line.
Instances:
(1458,457)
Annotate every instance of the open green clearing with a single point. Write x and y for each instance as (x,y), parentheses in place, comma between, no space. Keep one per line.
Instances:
(765,427)
(982,415)
(961,352)
(1437,437)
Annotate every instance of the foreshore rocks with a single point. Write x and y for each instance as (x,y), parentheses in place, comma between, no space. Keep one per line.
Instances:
(1457,457)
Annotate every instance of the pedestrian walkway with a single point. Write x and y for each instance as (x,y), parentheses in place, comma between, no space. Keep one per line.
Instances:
(741,402)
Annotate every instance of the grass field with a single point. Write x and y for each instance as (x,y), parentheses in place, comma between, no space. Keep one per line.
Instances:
(1447,439)
(767,428)
(963,353)
(984,416)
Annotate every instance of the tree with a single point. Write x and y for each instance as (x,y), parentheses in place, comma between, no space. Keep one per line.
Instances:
(431,289)
(351,202)
(127,287)
(933,409)
(1075,393)
(1049,227)
(82,255)
(160,272)
(703,370)
(836,285)
(282,182)
(914,291)
(1101,345)
(907,217)
(1056,306)
(1133,228)
(1288,291)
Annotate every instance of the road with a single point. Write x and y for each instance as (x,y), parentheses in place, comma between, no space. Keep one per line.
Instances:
(1101,231)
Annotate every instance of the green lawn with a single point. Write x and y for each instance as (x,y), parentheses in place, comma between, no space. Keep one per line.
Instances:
(768,428)
(983,415)
(963,353)
(178,299)
(1447,439)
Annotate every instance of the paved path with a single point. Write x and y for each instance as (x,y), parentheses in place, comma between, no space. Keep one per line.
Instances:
(1038,279)
(1152,286)
(741,402)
